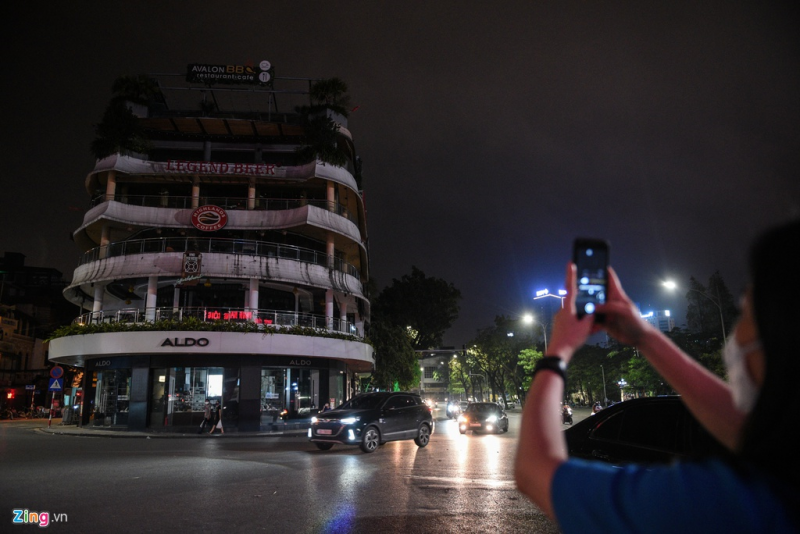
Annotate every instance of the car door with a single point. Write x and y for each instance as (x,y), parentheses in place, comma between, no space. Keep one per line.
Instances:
(640,434)
(394,417)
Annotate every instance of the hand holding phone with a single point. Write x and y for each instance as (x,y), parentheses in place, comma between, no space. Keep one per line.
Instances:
(591,259)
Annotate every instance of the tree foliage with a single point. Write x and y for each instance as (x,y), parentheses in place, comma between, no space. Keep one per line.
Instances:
(320,132)
(119,129)
(395,359)
(709,307)
(425,306)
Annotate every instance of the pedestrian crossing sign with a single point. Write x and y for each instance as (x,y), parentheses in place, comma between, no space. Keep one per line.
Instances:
(56,384)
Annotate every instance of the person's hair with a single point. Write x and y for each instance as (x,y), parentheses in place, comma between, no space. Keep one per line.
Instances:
(768,432)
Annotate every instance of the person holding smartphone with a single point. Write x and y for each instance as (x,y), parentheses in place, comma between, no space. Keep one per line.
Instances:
(755,489)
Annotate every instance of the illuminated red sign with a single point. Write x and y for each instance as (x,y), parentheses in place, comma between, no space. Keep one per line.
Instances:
(209,218)
(234,315)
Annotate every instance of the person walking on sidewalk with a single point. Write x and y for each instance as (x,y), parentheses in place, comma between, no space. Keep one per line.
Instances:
(207,414)
(217,419)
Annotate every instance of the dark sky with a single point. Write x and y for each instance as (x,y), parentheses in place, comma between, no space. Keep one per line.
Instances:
(492,133)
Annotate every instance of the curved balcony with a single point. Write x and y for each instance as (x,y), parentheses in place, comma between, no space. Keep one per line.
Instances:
(261,318)
(218,246)
(228,203)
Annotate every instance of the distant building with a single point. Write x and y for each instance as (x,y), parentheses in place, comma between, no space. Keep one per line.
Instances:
(222,223)
(661,319)
(435,373)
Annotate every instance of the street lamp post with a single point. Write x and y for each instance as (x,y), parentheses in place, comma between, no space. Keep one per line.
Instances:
(605,395)
(622,385)
(669,284)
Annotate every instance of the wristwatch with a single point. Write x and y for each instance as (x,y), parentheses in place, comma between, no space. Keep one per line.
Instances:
(551,363)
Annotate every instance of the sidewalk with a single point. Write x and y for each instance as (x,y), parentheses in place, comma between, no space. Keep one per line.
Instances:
(290,429)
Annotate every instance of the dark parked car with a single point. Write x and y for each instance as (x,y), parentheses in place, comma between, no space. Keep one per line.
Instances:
(646,430)
(372,419)
(483,417)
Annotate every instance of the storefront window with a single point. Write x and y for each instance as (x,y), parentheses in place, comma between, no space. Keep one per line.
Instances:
(112,397)
(179,395)
(273,394)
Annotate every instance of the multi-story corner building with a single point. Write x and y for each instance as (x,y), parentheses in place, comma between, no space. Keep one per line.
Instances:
(219,266)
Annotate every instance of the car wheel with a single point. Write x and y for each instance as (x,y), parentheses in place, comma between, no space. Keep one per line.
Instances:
(370,440)
(424,436)
(323,446)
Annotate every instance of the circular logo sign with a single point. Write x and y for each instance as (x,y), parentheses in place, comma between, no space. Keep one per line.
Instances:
(209,218)
(265,65)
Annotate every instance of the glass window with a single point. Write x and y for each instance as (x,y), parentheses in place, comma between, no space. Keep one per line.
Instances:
(112,397)
(429,372)
(179,394)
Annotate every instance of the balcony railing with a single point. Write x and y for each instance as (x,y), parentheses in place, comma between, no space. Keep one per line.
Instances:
(228,203)
(210,314)
(217,246)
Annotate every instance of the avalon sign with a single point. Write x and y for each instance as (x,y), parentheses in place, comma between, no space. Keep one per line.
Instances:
(185,342)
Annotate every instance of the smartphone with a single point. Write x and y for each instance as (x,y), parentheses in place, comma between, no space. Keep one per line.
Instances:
(591,258)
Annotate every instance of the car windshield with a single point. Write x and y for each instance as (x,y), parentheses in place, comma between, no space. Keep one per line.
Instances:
(482,408)
(363,402)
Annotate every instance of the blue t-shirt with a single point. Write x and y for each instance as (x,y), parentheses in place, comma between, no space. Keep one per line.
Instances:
(706,496)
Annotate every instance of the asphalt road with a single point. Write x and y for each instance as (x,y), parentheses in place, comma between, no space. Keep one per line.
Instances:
(458,483)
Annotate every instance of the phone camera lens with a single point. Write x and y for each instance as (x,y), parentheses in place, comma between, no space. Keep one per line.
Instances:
(589,308)
(589,252)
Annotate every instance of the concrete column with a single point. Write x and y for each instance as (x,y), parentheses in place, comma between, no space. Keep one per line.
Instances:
(150,305)
(196,191)
(111,185)
(329,309)
(329,250)
(253,297)
(343,315)
(331,196)
(176,299)
(99,293)
(105,232)
(251,195)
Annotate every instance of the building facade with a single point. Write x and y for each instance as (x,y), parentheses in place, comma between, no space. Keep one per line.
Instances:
(661,319)
(219,266)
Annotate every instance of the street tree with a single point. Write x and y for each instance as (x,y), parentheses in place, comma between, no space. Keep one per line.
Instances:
(709,307)
(426,306)
(395,359)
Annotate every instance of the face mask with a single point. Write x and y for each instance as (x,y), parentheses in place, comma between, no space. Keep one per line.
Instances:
(743,389)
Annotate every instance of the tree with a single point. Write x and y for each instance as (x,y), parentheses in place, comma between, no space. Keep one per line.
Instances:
(426,306)
(120,130)
(395,359)
(321,133)
(710,307)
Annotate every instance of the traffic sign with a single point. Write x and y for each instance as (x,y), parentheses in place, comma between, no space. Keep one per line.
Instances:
(30,387)
(57,372)
(56,384)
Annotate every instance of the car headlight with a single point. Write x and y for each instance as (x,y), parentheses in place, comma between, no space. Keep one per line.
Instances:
(491,419)
(462,419)
(349,420)
(314,419)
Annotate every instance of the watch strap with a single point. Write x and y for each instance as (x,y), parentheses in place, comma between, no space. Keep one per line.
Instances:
(551,363)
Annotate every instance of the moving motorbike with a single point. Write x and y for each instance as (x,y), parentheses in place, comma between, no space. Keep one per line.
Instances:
(566,415)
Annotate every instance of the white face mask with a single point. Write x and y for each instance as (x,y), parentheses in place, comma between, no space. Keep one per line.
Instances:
(744,390)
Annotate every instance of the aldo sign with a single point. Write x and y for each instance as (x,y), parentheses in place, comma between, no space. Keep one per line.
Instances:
(185,342)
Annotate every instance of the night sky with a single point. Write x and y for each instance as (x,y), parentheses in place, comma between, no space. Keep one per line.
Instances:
(492,133)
